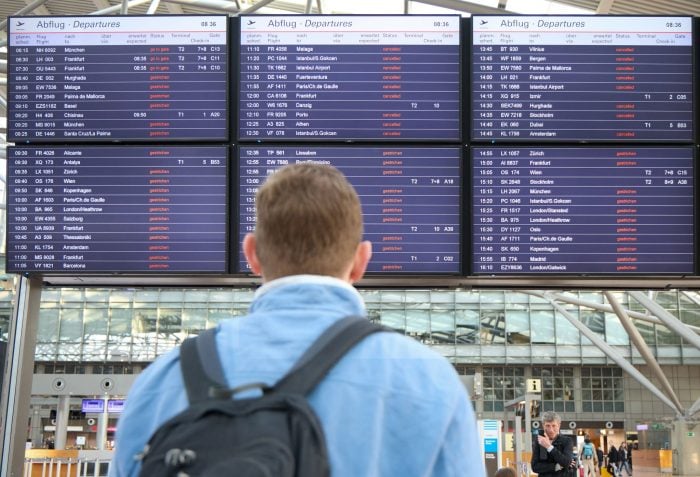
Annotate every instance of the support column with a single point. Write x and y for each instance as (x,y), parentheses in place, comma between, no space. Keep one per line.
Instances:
(102,424)
(62,421)
(35,430)
(518,446)
(17,382)
(685,442)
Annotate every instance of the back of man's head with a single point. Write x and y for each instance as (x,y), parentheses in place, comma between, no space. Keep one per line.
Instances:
(309,221)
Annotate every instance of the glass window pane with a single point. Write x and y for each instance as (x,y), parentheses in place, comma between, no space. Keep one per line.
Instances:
(146,297)
(518,326)
(492,326)
(71,325)
(664,336)
(96,322)
(442,324)
(169,320)
(121,296)
(48,325)
(217,315)
(171,296)
(566,332)
(93,295)
(418,298)
(467,326)
(615,334)
(394,319)
(417,321)
(542,326)
(472,296)
(71,295)
(120,322)
(146,320)
(194,320)
(595,320)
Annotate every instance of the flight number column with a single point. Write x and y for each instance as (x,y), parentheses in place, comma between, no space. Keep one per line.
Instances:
(264,95)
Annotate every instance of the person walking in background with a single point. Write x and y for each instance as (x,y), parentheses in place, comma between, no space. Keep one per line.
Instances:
(552,453)
(390,406)
(589,457)
(601,457)
(622,459)
(612,460)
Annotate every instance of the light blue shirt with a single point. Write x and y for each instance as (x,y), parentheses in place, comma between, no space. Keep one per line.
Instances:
(390,407)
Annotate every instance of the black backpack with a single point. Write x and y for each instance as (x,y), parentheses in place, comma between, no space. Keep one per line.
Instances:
(276,434)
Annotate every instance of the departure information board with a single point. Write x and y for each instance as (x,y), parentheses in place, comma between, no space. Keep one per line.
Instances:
(410,200)
(112,209)
(583,210)
(585,78)
(117,78)
(338,78)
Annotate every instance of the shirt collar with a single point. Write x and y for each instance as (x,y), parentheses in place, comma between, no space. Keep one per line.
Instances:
(306,280)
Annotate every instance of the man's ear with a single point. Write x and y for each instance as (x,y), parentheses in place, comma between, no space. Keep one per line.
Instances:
(359,264)
(250,252)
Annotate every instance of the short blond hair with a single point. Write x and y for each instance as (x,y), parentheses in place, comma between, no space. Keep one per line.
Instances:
(309,221)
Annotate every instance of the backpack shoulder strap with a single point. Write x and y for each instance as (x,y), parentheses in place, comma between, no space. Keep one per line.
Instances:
(201,368)
(325,352)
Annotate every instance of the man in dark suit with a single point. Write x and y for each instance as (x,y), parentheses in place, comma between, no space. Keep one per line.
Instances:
(552,454)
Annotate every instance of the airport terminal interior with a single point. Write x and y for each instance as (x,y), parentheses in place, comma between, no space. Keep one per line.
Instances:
(618,357)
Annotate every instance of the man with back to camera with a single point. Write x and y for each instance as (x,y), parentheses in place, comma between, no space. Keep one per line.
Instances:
(589,457)
(390,407)
(552,453)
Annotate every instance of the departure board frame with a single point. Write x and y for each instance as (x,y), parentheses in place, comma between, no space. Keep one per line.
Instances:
(390,205)
(532,214)
(68,212)
(268,111)
(500,116)
(60,87)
